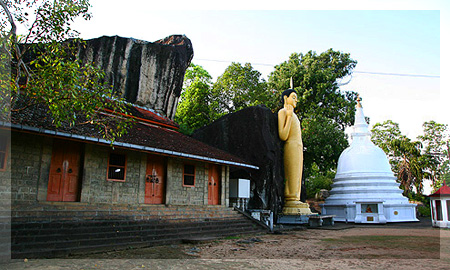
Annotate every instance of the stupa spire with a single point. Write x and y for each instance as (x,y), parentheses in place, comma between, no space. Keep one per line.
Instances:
(361,127)
(358,100)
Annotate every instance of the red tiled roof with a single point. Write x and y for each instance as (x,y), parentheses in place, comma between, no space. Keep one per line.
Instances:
(152,117)
(444,190)
(157,133)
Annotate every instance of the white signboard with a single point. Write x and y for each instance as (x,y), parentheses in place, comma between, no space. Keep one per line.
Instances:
(239,188)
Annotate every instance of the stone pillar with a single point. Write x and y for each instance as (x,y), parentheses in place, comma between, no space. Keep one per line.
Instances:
(44,169)
(141,179)
(169,181)
(205,187)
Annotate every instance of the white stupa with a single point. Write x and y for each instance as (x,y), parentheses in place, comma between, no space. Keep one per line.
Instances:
(365,189)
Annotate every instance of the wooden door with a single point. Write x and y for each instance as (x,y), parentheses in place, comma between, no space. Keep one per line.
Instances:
(64,178)
(213,185)
(155,180)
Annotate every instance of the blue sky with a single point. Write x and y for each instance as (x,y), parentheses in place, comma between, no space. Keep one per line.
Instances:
(387,41)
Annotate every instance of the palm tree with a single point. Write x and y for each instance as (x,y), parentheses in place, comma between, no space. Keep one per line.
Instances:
(410,171)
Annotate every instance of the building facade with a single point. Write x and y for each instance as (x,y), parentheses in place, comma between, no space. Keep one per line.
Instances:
(152,164)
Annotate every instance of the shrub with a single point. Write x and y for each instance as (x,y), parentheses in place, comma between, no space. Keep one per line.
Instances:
(424,210)
(316,182)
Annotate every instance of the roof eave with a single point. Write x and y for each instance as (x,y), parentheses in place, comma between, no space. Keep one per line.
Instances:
(125,145)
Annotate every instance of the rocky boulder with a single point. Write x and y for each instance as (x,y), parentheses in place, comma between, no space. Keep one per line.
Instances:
(252,134)
(149,74)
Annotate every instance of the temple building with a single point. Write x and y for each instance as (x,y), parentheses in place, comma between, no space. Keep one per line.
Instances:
(440,207)
(68,190)
(365,189)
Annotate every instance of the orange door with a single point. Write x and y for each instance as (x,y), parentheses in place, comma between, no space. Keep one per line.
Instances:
(64,177)
(155,180)
(213,184)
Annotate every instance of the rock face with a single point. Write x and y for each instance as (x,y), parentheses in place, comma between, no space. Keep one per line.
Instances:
(145,73)
(252,134)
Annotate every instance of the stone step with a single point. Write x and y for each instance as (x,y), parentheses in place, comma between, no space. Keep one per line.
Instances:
(73,227)
(94,239)
(53,230)
(105,232)
(130,215)
(44,252)
(52,249)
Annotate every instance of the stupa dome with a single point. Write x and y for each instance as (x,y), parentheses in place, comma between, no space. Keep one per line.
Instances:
(365,189)
(363,156)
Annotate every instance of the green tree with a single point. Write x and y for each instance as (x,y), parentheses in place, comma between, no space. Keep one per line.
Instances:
(383,134)
(316,80)
(410,169)
(323,143)
(436,143)
(318,180)
(239,87)
(404,155)
(45,70)
(323,109)
(196,106)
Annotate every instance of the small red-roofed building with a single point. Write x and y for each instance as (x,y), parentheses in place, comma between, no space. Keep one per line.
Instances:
(440,207)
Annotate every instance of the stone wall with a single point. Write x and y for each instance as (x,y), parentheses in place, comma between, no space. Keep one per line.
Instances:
(5,175)
(26,159)
(95,187)
(30,165)
(177,194)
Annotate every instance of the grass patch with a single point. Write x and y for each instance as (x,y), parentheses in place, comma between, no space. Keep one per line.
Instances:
(418,243)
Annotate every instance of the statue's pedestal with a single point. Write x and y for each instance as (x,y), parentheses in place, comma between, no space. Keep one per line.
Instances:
(296,208)
(295,212)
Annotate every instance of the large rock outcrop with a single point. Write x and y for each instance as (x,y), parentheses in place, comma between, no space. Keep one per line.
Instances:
(252,134)
(149,74)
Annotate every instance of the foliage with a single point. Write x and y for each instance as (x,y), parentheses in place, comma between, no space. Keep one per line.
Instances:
(414,161)
(239,87)
(202,102)
(323,109)
(5,78)
(409,163)
(414,196)
(318,180)
(196,108)
(410,170)
(44,68)
(384,133)
(424,211)
(315,78)
(323,143)
(436,141)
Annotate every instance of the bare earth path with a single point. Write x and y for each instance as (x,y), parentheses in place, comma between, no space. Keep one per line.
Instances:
(359,247)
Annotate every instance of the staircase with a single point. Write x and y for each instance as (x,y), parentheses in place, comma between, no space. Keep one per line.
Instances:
(57,231)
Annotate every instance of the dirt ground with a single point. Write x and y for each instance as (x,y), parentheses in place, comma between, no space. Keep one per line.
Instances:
(340,247)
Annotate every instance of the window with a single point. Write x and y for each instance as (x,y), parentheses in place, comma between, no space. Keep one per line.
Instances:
(448,210)
(116,167)
(3,151)
(369,208)
(189,175)
(438,210)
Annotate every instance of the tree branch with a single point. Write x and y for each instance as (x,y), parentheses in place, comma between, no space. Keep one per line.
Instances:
(13,35)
